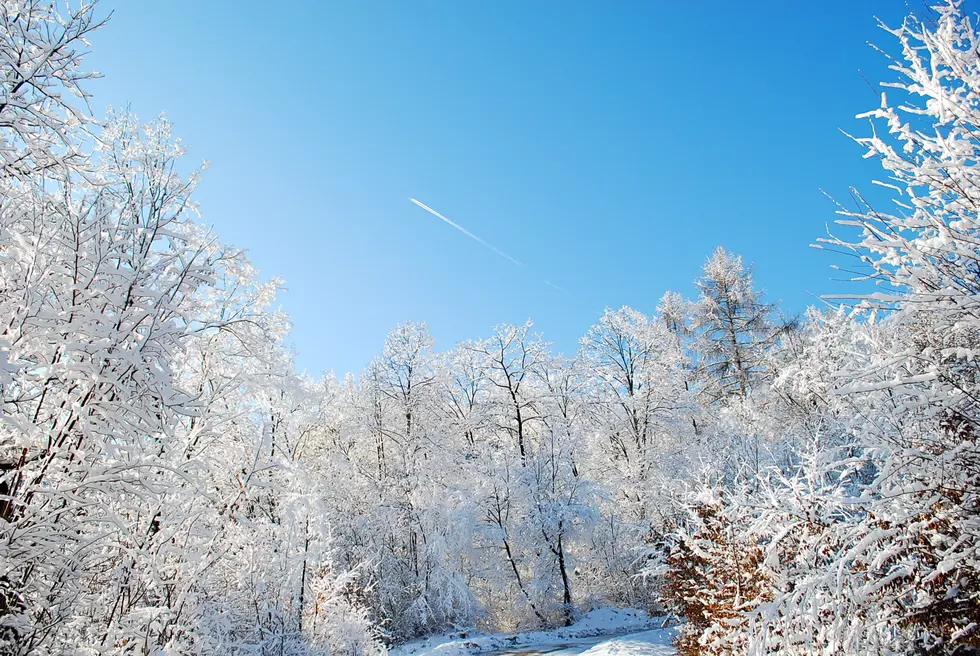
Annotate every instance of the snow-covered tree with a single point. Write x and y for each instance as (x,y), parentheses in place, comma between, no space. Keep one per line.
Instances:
(42,94)
(733,328)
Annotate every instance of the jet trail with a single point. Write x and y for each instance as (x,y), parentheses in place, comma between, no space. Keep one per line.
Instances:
(554,286)
(465,231)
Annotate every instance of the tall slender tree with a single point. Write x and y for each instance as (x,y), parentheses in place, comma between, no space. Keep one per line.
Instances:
(733,328)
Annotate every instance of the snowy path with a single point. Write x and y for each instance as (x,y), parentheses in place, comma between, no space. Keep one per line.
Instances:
(601,632)
(644,643)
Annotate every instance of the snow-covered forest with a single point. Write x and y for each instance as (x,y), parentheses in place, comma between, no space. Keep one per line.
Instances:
(170,485)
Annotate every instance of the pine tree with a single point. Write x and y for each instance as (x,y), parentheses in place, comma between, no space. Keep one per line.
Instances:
(733,328)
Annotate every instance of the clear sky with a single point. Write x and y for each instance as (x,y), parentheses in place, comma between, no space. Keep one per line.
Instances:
(608,146)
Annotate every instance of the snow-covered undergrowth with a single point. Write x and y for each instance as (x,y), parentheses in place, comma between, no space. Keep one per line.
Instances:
(624,624)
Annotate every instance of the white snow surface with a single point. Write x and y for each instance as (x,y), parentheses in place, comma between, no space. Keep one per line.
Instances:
(602,632)
(657,642)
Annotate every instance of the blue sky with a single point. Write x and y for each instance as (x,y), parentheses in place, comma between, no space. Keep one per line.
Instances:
(610,147)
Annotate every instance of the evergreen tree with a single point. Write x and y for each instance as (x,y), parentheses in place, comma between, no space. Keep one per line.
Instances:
(733,328)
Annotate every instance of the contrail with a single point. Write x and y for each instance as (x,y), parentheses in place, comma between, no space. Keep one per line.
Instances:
(554,286)
(465,231)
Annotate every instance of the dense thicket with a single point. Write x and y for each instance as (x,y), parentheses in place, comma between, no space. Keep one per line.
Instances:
(168,484)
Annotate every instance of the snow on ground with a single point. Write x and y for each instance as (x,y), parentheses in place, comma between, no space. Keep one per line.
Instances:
(603,632)
(646,643)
